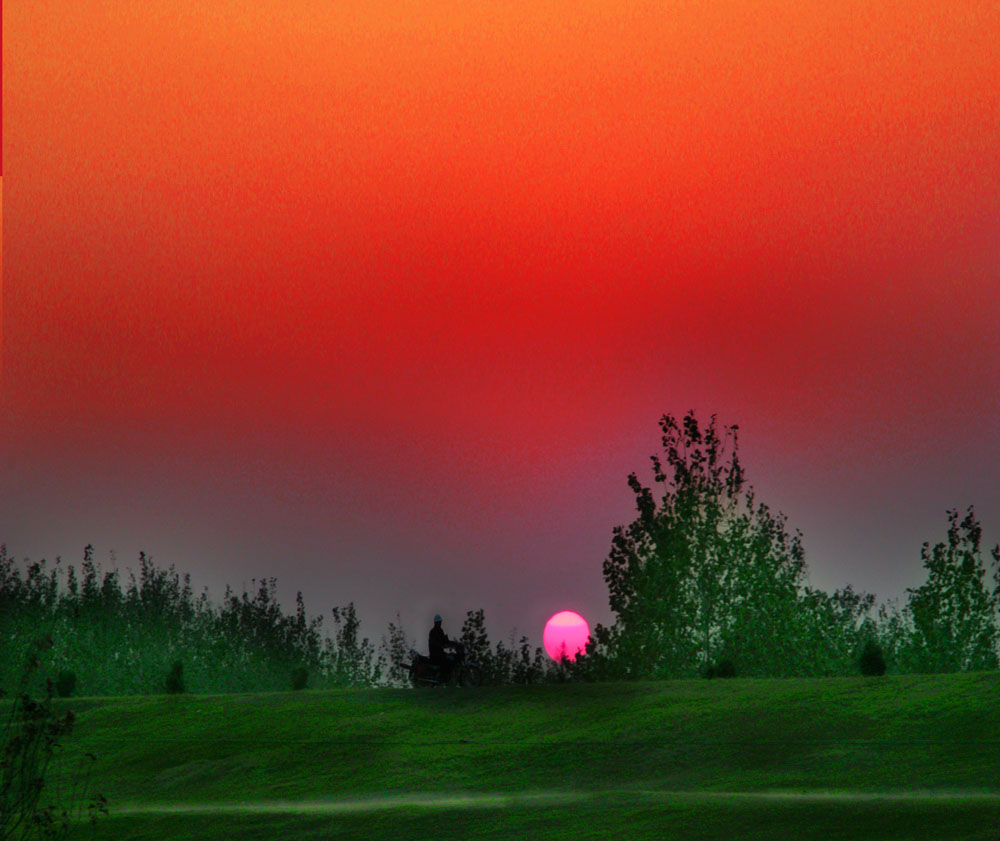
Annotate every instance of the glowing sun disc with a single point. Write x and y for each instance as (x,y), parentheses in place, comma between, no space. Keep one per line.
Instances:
(566,631)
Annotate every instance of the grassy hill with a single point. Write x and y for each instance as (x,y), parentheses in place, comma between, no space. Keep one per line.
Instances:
(695,759)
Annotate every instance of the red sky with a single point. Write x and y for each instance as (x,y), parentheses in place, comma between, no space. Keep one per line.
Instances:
(386,300)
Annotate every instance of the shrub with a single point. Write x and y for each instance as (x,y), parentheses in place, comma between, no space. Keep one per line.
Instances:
(175,678)
(65,683)
(29,740)
(872,661)
(723,668)
(300,677)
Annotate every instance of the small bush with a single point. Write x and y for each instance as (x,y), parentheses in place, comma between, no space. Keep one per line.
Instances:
(872,661)
(65,684)
(300,677)
(175,678)
(723,668)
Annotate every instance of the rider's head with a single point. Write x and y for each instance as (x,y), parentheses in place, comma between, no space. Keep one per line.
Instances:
(437,618)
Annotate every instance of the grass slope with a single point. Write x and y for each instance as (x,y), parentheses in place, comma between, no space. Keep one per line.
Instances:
(616,748)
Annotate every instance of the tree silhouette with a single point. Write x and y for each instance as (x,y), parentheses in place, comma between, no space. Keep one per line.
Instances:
(954,613)
(705,571)
(872,661)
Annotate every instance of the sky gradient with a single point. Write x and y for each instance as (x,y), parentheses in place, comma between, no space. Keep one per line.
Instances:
(385,299)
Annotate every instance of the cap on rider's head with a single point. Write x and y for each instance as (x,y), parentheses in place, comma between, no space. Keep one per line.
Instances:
(437,618)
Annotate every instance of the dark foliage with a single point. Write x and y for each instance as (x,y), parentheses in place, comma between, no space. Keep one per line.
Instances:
(706,572)
(31,737)
(65,683)
(300,678)
(175,678)
(118,632)
(476,642)
(703,567)
(724,668)
(953,617)
(396,647)
(508,662)
(872,660)
(351,660)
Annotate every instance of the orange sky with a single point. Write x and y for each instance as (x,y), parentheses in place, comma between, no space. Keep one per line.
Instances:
(308,263)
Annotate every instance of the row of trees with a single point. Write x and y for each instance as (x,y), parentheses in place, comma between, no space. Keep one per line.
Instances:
(706,580)
(707,574)
(120,637)
(150,633)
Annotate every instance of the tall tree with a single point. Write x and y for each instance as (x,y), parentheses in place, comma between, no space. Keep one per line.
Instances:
(954,613)
(351,661)
(704,571)
(395,650)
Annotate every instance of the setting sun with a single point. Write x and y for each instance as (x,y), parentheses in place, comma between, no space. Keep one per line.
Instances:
(566,631)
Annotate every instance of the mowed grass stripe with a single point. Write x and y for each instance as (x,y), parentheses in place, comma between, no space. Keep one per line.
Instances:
(694,817)
(420,801)
(528,799)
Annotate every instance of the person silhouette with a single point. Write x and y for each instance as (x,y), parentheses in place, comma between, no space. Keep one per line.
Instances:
(437,643)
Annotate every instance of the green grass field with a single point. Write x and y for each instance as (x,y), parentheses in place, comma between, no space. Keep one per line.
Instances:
(905,757)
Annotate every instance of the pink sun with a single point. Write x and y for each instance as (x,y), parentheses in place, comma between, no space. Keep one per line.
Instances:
(566,631)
